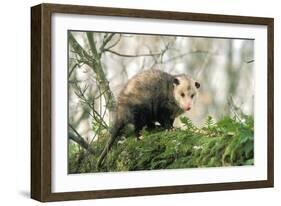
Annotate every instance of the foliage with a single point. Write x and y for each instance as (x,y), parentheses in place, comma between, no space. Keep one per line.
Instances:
(229,142)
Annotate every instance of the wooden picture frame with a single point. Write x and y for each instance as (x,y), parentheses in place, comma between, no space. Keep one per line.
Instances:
(41,98)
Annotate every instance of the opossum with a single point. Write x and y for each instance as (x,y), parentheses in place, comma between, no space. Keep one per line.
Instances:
(148,97)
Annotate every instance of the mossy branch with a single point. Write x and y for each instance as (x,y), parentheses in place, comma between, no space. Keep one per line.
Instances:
(227,142)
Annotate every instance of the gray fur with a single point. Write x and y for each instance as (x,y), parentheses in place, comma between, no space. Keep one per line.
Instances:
(147,98)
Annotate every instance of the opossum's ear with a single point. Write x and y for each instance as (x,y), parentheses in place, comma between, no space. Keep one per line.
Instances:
(176,81)
(197,85)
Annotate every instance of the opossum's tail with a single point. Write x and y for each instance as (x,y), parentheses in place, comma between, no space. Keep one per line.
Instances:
(114,134)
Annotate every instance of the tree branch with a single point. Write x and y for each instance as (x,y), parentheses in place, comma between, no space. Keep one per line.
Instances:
(97,68)
(79,140)
(81,94)
(132,55)
(105,41)
(249,61)
(95,64)
(72,69)
(114,44)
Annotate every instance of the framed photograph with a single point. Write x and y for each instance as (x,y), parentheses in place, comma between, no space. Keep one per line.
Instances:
(128,102)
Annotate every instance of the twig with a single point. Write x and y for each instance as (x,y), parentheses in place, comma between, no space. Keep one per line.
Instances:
(79,140)
(72,69)
(81,94)
(105,41)
(249,61)
(132,55)
(99,71)
(102,117)
(233,108)
(114,44)
(185,54)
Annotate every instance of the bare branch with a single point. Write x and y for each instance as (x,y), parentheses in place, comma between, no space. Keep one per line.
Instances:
(72,69)
(79,140)
(102,117)
(81,95)
(187,53)
(105,41)
(115,43)
(249,61)
(79,50)
(132,55)
(98,69)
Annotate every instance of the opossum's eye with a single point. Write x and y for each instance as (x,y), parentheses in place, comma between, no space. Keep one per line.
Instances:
(197,85)
(182,94)
(192,96)
(176,81)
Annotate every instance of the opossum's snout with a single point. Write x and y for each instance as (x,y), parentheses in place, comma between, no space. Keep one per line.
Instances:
(186,104)
(187,107)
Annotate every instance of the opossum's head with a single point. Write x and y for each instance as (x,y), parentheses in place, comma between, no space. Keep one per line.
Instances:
(185,91)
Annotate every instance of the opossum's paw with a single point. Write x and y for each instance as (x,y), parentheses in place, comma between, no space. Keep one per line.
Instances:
(140,137)
(172,129)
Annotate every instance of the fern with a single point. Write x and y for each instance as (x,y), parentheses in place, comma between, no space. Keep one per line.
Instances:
(228,142)
(209,122)
(188,123)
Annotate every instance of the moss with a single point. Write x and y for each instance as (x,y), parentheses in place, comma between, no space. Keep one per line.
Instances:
(228,142)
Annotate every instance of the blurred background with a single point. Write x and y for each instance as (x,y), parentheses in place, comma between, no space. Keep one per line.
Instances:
(100,64)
